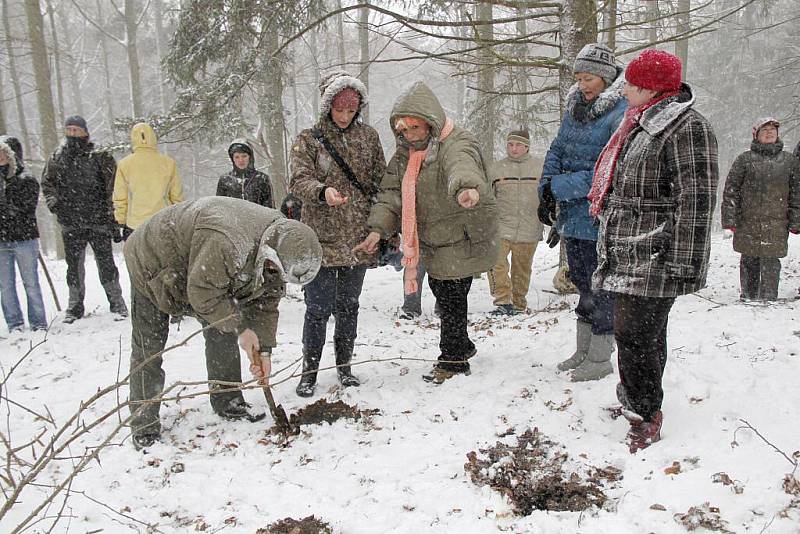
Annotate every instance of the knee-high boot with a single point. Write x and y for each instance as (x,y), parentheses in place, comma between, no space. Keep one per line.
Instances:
(344,353)
(309,379)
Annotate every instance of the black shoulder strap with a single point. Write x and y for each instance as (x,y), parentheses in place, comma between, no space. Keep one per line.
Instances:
(318,135)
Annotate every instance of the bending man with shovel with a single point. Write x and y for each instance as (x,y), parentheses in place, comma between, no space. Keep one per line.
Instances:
(224,261)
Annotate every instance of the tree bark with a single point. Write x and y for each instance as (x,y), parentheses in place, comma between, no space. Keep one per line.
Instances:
(75,67)
(12,68)
(340,34)
(363,40)
(270,107)
(578,27)
(161,41)
(56,60)
(521,76)
(133,58)
(683,24)
(485,101)
(3,127)
(610,23)
(41,73)
(652,15)
(108,107)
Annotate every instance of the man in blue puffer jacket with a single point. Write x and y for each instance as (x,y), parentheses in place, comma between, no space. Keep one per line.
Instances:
(595,106)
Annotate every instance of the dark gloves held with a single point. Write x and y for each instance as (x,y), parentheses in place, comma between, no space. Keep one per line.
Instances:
(553,238)
(547,206)
(120,232)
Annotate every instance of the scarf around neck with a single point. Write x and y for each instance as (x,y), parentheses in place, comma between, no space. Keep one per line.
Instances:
(408,227)
(607,161)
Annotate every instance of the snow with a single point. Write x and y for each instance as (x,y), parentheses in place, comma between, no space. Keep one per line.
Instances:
(404,471)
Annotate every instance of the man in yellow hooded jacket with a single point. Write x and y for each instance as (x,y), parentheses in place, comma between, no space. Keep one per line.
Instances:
(146,182)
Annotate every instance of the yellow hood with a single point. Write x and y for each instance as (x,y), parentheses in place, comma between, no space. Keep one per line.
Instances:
(143,136)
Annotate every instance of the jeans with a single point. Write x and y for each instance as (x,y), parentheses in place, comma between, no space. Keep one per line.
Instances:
(640,329)
(24,254)
(335,290)
(594,307)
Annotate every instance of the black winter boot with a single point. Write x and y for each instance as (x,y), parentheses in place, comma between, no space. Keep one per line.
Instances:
(309,379)
(344,353)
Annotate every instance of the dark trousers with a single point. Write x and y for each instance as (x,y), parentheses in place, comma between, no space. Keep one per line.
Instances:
(75,242)
(594,307)
(640,329)
(452,295)
(759,277)
(149,336)
(335,290)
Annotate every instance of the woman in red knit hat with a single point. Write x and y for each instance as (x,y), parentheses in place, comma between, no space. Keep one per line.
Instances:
(653,192)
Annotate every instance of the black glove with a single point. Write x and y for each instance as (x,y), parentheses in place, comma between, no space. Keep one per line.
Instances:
(553,238)
(120,232)
(126,232)
(547,206)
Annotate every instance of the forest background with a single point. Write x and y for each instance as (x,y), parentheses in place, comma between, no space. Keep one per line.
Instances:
(204,72)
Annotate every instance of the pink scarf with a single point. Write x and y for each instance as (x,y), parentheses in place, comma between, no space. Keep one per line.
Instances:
(607,162)
(409,212)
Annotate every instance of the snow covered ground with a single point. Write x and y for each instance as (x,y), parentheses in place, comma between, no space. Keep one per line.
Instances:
(403,471)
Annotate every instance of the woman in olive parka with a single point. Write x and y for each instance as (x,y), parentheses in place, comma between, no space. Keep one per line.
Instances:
(436,193)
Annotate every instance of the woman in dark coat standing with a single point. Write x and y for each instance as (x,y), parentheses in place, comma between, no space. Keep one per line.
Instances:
(653,191)
(244,181)
(761,205)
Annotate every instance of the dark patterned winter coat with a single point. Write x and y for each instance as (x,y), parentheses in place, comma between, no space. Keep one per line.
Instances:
(247,184)
(654,237)
(339,228)
(78,182)
(762,200)
(19,193)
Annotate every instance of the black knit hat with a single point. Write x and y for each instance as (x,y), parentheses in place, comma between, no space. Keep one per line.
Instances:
(76,120)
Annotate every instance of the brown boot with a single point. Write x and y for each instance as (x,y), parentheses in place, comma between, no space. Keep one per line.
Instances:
(644,433)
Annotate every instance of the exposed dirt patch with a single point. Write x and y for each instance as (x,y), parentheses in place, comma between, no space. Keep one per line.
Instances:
(323,411)
(533,475)
(307,525)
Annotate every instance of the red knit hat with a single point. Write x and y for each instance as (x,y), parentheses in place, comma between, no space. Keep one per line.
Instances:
(655,70)
(347,98)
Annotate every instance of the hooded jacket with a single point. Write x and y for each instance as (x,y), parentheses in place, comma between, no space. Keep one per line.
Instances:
(655,227)
(207,257)
(146,181)
(78,182)
(454,242)
(569,164)
(19,193)
(248,183)
(339,228)
(515,182)
(762,200)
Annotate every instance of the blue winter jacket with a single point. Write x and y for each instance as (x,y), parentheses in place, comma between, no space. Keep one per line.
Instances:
(569,164)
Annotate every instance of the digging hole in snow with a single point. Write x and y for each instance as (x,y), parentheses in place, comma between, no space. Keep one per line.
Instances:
(534,475)
(307,525)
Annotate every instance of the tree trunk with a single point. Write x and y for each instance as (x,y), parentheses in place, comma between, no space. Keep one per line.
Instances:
(521,76)
(161,41)
(340,34)
(270,107)
(56,60)
(578,27)
(3,127)
(108,101)
(133,59)
(485,101)
(610,23)
(12,68)
(652,16)
(461,83)
(75,67)
(683,24)
(363,41)
(41,73)
(313,44)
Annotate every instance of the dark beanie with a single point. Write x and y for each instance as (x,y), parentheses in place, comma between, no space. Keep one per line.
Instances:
(520,136)
(77,120)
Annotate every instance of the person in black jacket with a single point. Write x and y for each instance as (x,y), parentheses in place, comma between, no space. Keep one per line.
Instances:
(19,239)
(77,183)
(244,181)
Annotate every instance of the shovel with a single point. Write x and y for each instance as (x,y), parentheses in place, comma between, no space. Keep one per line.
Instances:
(277,411)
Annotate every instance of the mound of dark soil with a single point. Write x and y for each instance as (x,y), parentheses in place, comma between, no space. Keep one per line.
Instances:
(323,411)
(532,475)
(308,525)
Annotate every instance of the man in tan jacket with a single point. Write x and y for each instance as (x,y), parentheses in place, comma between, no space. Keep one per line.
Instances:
(515,180)
(225,261)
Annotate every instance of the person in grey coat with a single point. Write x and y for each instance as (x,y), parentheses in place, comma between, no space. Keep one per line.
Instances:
(653,191)
(761,205)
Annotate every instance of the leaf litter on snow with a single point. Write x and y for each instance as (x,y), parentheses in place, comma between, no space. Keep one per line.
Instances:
(307,525)
(323,411)
(536,474)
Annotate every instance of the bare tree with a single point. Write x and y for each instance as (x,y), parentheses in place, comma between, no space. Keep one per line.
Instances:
(56,59)
(12,67)
(363,41)
(41,73)
(682,26)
